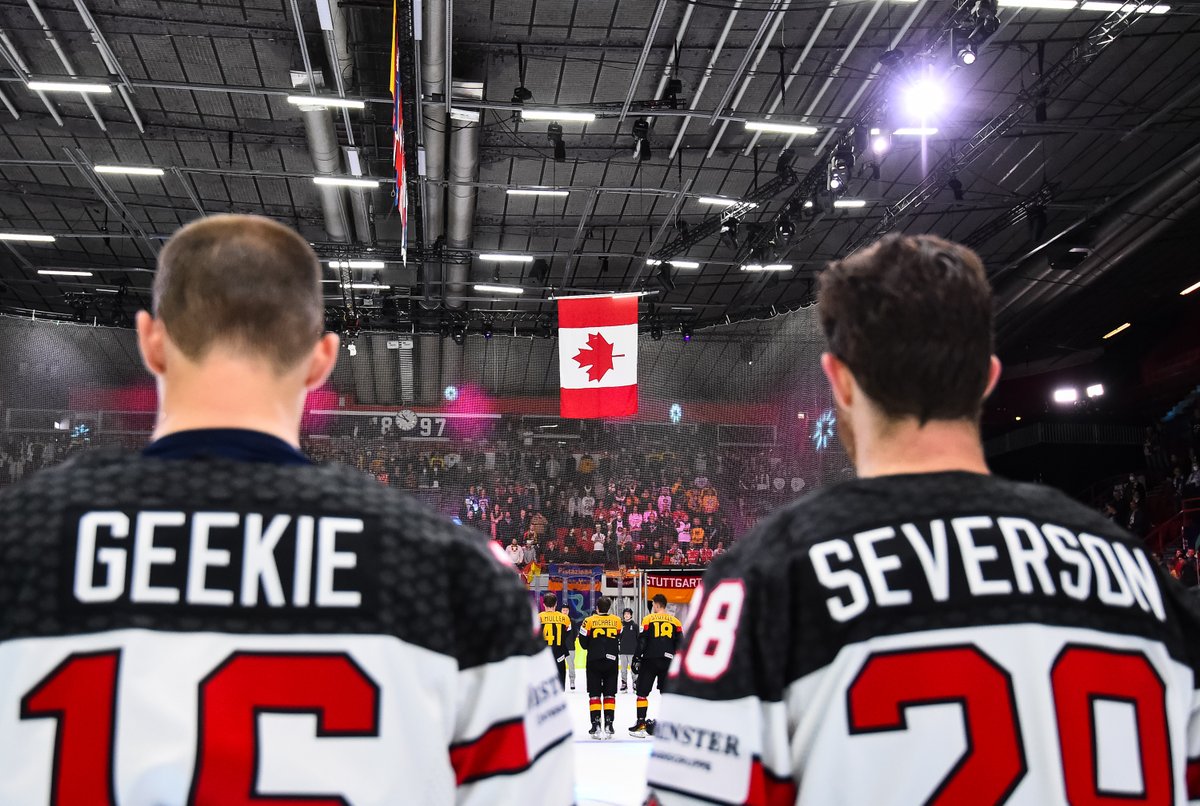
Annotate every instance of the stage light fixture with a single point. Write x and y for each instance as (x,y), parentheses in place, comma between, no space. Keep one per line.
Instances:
(458,333)
(656,331)
(542,329)
(729,232)
(686,332)
(554,134)
(486,328)
(444,329)
(881,141)
(521,94)
(664,278)
(783,165)
(956,187)
(838,173)
(604,265)
(641,139)
(671,92)
(540,271)
(1095,390)
(924,98)
(785,230)
(353,350)
(961,47)
(1068,394)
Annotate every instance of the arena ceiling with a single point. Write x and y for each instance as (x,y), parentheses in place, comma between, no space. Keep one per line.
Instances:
(1074,129)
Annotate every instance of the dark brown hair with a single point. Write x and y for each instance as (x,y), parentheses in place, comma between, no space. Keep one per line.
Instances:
(911,315)
(241,281)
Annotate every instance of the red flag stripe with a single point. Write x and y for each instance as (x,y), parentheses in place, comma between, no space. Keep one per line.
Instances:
(501,749)
(1193,779)
(598,311)
(606,401)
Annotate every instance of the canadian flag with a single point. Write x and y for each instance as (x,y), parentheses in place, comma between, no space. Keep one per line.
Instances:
(597,356)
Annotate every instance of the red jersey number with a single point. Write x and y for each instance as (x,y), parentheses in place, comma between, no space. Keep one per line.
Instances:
(994,764)
(81,694)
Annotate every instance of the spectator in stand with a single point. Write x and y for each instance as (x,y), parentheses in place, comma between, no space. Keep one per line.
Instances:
(706,555)
(598,544)
(1191,487)
(515,553)
(538,523)
(1188,572)
(1138,523)
(676,556)
(693,554)
(719,550)
(697,533)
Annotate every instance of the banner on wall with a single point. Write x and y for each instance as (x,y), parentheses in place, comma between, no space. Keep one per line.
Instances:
(678,586)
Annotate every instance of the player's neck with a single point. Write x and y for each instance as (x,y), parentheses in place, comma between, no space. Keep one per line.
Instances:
(229,395)
(938,447)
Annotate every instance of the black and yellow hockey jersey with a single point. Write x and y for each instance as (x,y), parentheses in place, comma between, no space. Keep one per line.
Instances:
(598,635)
(659,637)
(556,631)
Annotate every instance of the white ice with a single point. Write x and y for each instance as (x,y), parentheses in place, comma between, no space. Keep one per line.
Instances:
(613,772)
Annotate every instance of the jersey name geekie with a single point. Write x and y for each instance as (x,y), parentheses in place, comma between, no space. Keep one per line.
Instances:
(218,559)
(964,553)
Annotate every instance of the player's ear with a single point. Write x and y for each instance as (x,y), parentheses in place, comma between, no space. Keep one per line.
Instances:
(841,382)
(322,361)
(151,338)
(994,370)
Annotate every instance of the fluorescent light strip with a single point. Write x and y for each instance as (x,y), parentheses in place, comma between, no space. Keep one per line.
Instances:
(127,169)
(109,290)
(536,192)
(498,289)
(557,116)
(20,236)
(851,204)
(357,264)
(1189,289)
(499,258)
(65,272)
(69,86)
(1053,5)
(678,264)
(345,181)
(467,115)
(780,128)
(768,267)
(1099,5)
(1117,330)
(720,202)
(916,131)
(324,102)
(369,286)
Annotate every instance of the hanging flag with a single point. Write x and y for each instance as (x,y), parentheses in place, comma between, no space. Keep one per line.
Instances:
(398,135)
(597,356)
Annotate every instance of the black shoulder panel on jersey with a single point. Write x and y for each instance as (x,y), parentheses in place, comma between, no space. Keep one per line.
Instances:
(109,541)
(1075,569)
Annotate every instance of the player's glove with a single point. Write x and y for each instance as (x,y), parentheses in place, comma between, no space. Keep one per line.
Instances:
(636,665)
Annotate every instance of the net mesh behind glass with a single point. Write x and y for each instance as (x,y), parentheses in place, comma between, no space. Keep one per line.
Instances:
(732,424)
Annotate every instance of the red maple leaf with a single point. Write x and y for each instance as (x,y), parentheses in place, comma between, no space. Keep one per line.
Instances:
(597,357)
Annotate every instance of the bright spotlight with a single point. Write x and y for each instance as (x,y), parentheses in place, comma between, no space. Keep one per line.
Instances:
(353,350)
(1095,390)
(881,143)
(924,98)
(1067,394)
(451,393)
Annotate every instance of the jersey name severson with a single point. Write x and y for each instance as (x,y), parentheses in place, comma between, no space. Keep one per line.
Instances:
(218,559)
(891,565)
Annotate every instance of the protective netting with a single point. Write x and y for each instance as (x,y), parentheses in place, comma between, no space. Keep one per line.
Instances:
(731,424)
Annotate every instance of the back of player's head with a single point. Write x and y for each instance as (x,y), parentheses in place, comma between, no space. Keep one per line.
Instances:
(549,601)
(244,282)
(911,316)
(603,604)
(659,600)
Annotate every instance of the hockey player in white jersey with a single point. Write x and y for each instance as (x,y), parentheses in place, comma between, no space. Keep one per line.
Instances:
(928,633)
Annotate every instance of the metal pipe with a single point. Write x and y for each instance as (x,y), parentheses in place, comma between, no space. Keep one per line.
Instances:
(66,63)
(9,105)
(841,62)
(641,64)
(434,75)
(191,191)
(111,62)
(460,201)
(448,32)
(19,67)
(337,51)
(708,71)
(741,68)
(662,230)
(679,34)
(762,51)
(808,46)
(308,69)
